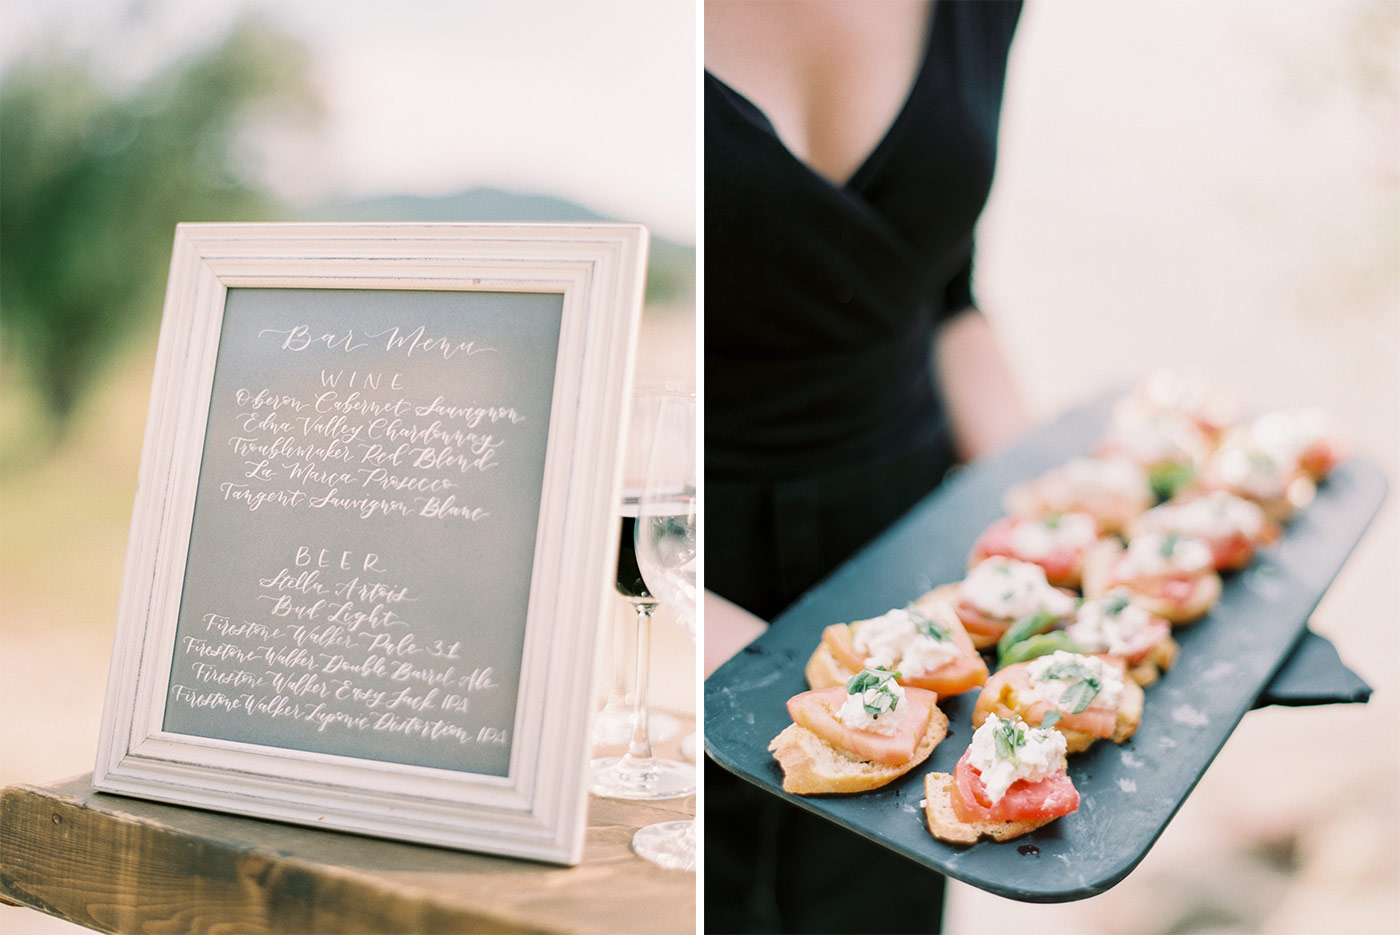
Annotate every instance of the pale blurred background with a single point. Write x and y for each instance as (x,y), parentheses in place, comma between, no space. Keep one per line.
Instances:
(1213,185)
(120,118)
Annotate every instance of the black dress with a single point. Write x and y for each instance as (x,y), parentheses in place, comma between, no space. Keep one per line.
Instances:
(823,423)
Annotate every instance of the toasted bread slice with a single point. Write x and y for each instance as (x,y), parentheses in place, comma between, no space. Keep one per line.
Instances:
(944,824)
(1129,711)
(811,766)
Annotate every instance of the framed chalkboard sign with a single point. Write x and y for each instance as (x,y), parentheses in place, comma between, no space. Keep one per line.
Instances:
(372,534)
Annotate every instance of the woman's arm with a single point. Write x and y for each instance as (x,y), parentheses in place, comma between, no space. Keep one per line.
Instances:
(983,402)
(728,629)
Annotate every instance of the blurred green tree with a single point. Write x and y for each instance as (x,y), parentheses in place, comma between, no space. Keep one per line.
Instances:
(92,183)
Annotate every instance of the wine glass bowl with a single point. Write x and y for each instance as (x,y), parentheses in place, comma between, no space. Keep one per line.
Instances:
(666,557)
(666,554)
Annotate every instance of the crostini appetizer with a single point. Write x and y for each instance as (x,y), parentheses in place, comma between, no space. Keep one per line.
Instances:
(1188,394)
(924,642)
(1116,625)
(1244,467)
(1086,697)
(1057,542)
(1112,490)
(1011,780)
(1299,439)
(1171,576)
(999,592)
(858,736)
(1169,445)
(1231,526)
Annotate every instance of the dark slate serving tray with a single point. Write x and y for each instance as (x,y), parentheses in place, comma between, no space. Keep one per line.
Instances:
(1128,792)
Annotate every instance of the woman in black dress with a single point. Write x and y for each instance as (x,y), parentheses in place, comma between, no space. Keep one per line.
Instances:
(849,150)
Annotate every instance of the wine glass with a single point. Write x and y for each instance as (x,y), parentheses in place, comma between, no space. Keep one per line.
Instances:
(638,773)
(613,725)
(666,555)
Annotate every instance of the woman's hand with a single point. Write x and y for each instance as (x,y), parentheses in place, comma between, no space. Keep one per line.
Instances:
(728,629)
(983,402)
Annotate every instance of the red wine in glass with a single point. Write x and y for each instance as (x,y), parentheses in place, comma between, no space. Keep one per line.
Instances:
(629,577)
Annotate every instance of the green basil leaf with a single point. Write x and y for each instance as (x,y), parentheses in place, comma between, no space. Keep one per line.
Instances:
(927,626)
(1042,644)
(1050,720)
(1066,670)
(1169,544)
(1009,738)
(1115,605)
(1037,622)
(1168,479)
(868,678)
(1080,695)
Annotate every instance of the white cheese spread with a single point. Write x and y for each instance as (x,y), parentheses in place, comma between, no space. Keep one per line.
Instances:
(1286,433)
(1039,538)
(1152,436)
(904,640)
(1241,464)
(1087,479)
(1158,554)
(1218,515)
(877,706)
(1006,589)
(1056,679)
(1189,393)
(1024,752)
(1112,624)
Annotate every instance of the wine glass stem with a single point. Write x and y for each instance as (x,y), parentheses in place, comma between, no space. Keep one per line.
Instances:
(640,747)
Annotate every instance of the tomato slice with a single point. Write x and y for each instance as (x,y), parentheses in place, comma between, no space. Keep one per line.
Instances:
(1318,459)
(1061,566)
(979,624)
(953,678)
(1157,630)
(816,711)
(1052,797)
(1231,552)
(1007,693)
(840,639)
(1177,590)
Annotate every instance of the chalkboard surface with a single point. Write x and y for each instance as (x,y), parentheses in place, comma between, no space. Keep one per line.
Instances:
(364,527)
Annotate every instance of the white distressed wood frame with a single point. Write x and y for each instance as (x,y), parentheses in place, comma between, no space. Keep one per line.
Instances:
(538,810)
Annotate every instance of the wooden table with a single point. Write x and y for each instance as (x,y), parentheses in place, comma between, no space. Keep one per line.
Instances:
(125,865)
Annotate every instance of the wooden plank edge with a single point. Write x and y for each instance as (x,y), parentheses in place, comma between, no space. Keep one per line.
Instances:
(117,873)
